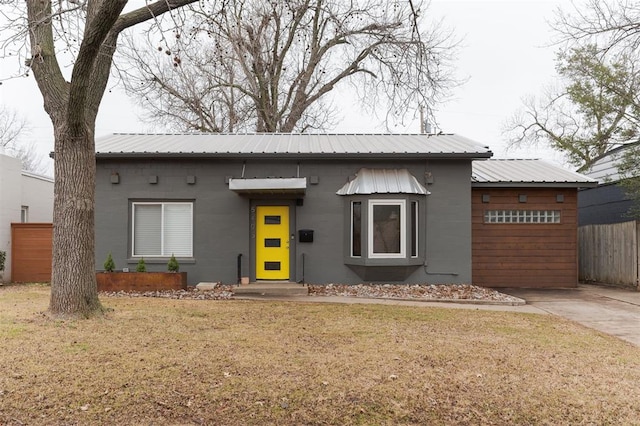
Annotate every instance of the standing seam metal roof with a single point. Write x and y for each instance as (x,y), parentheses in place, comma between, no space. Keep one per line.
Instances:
(285,144)
(510,172)
(383,181)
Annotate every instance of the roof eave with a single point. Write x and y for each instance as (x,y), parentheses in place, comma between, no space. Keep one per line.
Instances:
(327,156)
(534,184)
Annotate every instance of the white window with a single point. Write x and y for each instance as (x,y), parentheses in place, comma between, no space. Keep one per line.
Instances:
(522,216)
(387,228)
(162,229)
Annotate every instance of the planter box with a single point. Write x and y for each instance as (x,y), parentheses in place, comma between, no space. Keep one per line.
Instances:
(141,281)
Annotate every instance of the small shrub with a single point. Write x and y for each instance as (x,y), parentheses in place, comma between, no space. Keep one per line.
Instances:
(3,258)
(173,265)
(109,264)
(142,267)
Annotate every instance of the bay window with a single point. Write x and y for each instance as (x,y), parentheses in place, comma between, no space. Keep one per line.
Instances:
(384,230)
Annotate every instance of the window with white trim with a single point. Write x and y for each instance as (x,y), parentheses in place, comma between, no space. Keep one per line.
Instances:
(522,216)
(387,228)
(162,229)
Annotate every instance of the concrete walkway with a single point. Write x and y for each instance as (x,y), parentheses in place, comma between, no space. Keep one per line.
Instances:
(609,310)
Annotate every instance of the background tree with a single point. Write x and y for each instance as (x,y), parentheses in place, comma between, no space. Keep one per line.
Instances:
(258,65)
(611,24)
(72,104)
(12,131)
(595,110)
(10,127)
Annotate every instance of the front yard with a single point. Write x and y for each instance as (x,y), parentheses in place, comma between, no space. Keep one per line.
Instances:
(164,361)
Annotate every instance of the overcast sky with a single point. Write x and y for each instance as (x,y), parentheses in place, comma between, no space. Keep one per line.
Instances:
(505,54)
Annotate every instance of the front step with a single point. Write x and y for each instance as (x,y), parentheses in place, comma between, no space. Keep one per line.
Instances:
(271,289)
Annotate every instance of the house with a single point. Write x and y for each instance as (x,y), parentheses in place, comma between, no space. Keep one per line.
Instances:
(608,202)
(302,207)
(24,198)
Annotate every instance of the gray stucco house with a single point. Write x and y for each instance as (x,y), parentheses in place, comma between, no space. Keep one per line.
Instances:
(324,208)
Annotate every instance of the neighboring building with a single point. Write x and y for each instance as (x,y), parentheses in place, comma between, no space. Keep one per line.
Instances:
(608,232)
(24,198)
(525,224)
(300,207)
(608,202)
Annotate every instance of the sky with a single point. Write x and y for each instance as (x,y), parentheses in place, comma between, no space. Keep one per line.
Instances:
(505,54)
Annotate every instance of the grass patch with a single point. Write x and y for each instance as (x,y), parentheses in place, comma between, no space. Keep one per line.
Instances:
(159,361)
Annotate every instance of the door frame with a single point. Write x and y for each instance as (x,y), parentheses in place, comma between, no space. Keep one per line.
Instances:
(292,238)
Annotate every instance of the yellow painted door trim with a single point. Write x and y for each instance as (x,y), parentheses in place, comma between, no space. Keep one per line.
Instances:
(272,242)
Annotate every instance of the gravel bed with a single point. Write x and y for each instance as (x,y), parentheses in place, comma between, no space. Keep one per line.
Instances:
(417,292)
(462,292)
(221,292)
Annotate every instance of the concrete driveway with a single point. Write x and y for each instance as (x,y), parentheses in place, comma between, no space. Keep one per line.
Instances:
(610,310)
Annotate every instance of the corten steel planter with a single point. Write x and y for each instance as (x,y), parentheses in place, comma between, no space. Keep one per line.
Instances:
(141,281)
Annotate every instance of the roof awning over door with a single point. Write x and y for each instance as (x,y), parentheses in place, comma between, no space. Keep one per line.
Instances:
(268,185)
(383,181)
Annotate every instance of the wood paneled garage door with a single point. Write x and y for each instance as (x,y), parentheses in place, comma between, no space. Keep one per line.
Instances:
(31,247)
(525,237)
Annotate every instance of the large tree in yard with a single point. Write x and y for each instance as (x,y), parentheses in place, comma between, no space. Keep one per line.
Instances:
(72,104)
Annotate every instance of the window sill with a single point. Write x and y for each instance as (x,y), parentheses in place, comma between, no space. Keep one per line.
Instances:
(386,261)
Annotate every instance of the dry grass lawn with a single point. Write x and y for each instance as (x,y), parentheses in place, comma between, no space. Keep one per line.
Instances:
(158,361)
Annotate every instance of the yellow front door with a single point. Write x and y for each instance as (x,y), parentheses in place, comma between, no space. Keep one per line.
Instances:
(272,242)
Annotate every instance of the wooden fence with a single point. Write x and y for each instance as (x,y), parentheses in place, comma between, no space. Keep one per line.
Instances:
(31,252)
(609,253)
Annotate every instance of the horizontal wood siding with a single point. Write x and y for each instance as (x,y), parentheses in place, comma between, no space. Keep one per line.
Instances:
(609,253)
(31,248)
(525,255)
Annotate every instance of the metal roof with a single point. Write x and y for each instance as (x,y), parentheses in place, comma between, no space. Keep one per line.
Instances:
(519,173)
(383,181)
(281,145)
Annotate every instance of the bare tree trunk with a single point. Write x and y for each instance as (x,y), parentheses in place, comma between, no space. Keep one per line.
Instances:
(74,290)
(73,106)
